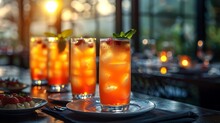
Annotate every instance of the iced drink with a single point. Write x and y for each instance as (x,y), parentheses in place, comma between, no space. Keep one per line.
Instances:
(114,74)
(38,60)
(58,65)
(83,67)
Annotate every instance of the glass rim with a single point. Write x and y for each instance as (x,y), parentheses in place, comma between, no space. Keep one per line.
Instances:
(114,39)
(38,37)
(77,39)
(83,38)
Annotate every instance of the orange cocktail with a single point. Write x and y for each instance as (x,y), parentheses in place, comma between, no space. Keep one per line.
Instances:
(83,67)
(114,74)
(58,65)
(38,60)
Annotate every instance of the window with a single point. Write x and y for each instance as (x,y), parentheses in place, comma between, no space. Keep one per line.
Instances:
(90,17)
(213,28)
(170,23)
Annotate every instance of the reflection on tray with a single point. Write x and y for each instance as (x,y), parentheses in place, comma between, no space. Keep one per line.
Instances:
(92,107)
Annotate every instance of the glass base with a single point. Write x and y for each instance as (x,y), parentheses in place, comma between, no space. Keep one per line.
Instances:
(114,108)
(83,96)
(39,82)
(57,88)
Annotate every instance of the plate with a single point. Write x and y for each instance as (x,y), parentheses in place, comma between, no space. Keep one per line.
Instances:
(61,97)
(14,89)
(92,107)
(39,103)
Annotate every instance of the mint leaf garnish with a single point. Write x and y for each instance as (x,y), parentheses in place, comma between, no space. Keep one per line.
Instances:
(130,33)
(48,34)
(66,33)
(61,38)
(127,35)
(61,44)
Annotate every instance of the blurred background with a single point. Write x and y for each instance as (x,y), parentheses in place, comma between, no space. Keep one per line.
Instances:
(182,29)
(165,24)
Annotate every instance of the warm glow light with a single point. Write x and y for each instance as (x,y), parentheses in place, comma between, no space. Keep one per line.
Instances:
(52,39)
(2,72)
(66,15)
(163,70)
(163,58)
(78,6)
(75,16)
(39,91)
(145,41)
(58,88)
(104,7)
(39,82)
(51,6)
(87,7)
(185,62)
(200,43)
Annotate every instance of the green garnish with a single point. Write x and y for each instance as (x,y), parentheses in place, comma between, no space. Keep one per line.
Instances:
(61,38)
(127,35)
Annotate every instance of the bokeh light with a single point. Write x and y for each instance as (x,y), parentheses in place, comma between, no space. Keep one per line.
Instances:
(163,56)
(185,62)
(163,70)
(145,42)
(105,8)
(200,43)
(51,6)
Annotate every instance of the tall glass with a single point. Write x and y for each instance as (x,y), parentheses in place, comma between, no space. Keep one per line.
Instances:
(83,67)
(58,65)
(38,60)
(115,74)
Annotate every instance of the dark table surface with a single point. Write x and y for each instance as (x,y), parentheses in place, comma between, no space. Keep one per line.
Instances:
(205,115)
(197,85)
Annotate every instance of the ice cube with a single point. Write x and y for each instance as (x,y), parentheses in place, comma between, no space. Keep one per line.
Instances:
(110,87)
(53,55)
(106,56)
(89,72)
(77,50)
(57,65)
(88,63)
(90,52)
(124,93)
(75,72)
(34,51)
(64,57)
(76,81)
(104,75)
(42,59)
(66,64)
(122,56)
(57,73)
(75,64)
(118,65)
(90,81)
(42,65)
(37,71)
(125,78)
(44,52)
(104,46)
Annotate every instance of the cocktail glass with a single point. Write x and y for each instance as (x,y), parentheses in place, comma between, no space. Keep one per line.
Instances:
(83,67)
(38,60)
(58,65)
(114,74)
